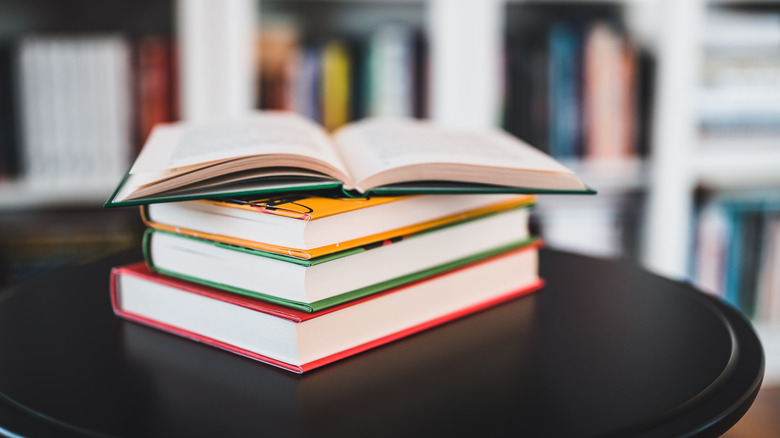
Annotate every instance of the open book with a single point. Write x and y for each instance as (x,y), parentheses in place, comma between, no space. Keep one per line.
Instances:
(273,151)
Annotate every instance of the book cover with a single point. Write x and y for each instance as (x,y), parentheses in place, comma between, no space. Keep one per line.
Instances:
(307,208)
(189,310)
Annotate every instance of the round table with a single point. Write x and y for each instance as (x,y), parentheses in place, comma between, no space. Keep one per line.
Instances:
(604,349)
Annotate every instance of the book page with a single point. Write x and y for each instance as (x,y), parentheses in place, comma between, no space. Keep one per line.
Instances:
(377,145)
(181,145)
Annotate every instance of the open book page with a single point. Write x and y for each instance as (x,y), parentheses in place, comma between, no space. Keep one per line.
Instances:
(373,146)
(177,147)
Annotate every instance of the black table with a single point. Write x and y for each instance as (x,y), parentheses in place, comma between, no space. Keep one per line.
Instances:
(605,349)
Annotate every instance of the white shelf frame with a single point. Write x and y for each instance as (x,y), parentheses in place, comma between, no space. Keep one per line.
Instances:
(216,56)
(738,166)
(667,233)
(465,90)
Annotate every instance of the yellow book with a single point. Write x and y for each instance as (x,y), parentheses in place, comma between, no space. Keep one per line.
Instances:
(335,86)
(306,227)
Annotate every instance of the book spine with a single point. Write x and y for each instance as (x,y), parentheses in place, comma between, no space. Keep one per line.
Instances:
(9,159)
(335,86)
(153,73)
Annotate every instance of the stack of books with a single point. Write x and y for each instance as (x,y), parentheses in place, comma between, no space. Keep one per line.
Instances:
(302,279)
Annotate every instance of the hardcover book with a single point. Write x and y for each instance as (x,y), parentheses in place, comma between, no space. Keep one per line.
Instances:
(300,341)
(276,151)
(326,281)
(309,226)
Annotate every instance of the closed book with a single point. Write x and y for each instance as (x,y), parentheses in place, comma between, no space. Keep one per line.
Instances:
(9,149)
(309,226)
(154,78)
(326,281)
(300,341)
(609,113)
(336,64)
(565,99)
(391,71)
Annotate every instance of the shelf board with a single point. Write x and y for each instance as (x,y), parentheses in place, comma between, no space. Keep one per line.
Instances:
(23,194)
(740,163)
(610,176)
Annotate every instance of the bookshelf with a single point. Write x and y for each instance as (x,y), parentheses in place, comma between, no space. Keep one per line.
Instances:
(85,53)
(216,74)
(85,110)
(733,168)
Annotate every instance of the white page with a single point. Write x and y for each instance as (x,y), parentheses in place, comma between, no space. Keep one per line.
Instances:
(185,144)
(375,145)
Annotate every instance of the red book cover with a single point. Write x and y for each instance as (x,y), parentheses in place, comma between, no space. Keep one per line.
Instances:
(155,85)
(140,270)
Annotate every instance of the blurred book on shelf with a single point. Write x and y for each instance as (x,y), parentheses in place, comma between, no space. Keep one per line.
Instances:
(155,85)
(9,162)
(75,100)
(336,80)
(390,75)
(340,78)
(739,97)
(278,65)
(609,94)
(578,87)
(736,251)
(573,83)
(565,80)
(83,105)
(607,228)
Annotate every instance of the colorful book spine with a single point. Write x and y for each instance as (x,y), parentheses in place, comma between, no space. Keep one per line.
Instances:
(565,94)
(336,66)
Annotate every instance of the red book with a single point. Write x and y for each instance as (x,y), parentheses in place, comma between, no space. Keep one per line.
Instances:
(300,341)
(155,85)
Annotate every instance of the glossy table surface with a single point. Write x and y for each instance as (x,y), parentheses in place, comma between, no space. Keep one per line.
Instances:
(605,349)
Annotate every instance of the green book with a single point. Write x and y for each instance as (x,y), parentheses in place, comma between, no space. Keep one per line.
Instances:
(278,152)
(326,281)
